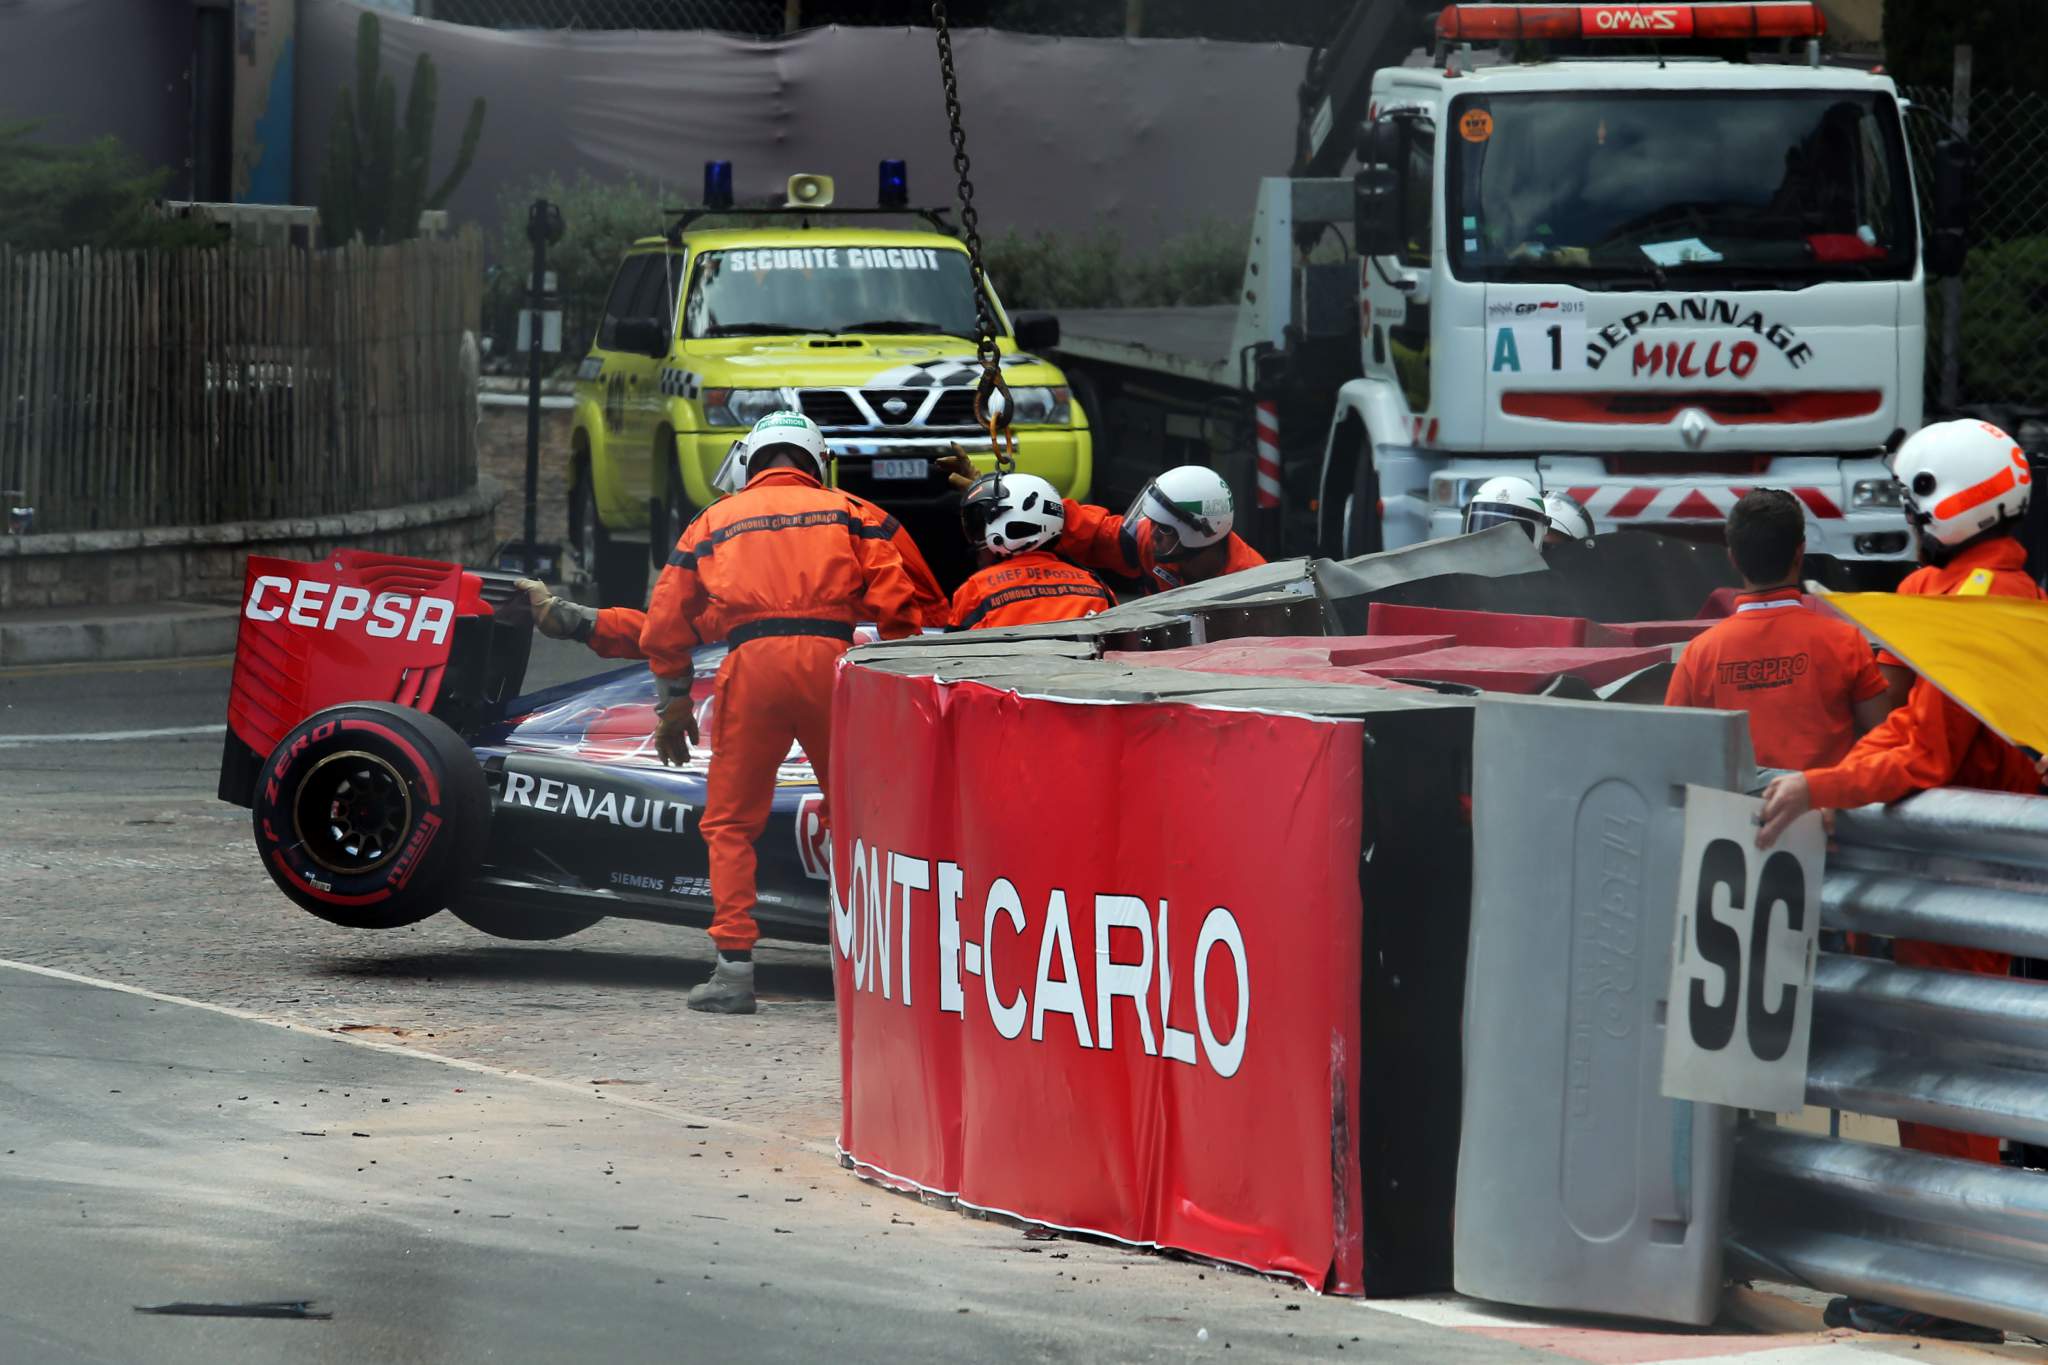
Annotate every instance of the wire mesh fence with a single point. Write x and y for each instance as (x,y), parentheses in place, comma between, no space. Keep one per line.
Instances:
(1285,21)
(1998,341)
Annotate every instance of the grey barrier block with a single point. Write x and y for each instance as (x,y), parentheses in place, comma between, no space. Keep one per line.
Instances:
(1495,552)
(1580,1186)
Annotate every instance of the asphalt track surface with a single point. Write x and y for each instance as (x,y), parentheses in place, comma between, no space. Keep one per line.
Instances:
(468,1150)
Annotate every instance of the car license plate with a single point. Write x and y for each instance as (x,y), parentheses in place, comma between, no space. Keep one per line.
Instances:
(902,469)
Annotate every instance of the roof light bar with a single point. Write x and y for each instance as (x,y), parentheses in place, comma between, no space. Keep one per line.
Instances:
(1497,23)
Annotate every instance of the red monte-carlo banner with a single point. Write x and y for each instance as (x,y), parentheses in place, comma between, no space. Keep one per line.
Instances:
(1097,966)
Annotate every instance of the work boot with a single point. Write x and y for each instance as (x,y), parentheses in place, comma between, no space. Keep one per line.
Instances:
(729,991)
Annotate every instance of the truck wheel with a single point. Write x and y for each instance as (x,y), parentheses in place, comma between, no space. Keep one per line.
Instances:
(519,921)
(1363,533)
(618,570)
(676,510)
(371,815)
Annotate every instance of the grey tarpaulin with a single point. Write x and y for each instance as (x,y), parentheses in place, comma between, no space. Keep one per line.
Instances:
(1148,135)
(90,68)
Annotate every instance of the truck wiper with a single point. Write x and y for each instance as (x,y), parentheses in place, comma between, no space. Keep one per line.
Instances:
(759,329)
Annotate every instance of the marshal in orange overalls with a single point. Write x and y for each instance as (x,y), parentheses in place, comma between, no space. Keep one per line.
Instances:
(616,634)
(781,571)
(1097,538)
(1028,588)
(1933,742)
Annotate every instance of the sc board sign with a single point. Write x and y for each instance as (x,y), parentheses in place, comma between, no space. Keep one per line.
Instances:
(1740,1022)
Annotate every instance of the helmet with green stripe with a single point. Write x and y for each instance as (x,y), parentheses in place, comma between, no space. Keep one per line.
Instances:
(778,433)
(1190,509)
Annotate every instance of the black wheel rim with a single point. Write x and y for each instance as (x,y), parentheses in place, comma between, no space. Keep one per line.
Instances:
(352,812)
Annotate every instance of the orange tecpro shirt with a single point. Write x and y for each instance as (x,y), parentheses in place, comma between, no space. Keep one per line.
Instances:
(1797,672)
(1035,586)
(783,548)
(1992,568)
(616,635)
(1931,741)
(1097,538)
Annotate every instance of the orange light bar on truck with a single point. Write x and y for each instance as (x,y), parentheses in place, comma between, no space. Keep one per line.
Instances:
(1497,23)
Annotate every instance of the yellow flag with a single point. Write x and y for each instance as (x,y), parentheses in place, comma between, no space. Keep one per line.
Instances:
(1988,653)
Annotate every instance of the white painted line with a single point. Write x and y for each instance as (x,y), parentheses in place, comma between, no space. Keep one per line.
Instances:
(1821,1353)
(459,1063)
(1458,1312)
(113,736)
(1455,1310)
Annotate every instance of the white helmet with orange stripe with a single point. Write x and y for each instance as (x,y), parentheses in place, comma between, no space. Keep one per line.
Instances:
(1962,479)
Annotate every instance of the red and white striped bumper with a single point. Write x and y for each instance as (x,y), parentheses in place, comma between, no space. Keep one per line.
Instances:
(1631,502)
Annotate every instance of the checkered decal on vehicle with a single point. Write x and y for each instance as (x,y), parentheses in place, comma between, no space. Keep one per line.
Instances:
(949,373)
(680,383)
(591,368)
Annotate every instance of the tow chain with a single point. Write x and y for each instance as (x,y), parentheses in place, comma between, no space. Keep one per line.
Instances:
(992,403)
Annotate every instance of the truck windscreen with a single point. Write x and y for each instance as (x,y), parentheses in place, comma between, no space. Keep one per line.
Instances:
(1638,189)
(778,291)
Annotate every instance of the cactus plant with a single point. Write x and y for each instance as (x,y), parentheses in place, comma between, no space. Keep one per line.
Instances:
(374,185)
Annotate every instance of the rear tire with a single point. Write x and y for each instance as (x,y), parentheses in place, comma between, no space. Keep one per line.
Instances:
(618,571)
(675,511)
(1363,532)
(371,816)
(518,922)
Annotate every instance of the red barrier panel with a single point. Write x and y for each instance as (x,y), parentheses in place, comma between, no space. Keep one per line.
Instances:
(1490,628)
(1316,673)
(1657,632)
(1522,670)
(1282,651)
(1210,658)
(1126,1005)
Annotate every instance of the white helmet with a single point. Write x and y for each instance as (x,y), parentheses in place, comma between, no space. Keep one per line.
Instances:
(1190,509)
(1960,479)
(1567,516)
(732,470)
(1507,499)
(784,428)
(1007,514)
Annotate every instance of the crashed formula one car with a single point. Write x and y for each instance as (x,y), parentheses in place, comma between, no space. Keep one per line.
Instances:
(376,733)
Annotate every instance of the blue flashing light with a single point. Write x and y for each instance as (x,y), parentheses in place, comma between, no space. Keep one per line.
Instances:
(894,192)
(718,184)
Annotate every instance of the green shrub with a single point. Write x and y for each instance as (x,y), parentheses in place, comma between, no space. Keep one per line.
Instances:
(374,184)
(1096,270)
(95,194)
(600,219)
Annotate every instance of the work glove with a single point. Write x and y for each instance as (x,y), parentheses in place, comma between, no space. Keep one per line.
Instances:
(557,617)
(958,469)
(675,726)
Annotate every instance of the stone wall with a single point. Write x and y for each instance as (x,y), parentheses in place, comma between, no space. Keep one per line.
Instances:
(205,563)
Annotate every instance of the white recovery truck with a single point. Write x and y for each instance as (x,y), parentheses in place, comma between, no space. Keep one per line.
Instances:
(1654,255)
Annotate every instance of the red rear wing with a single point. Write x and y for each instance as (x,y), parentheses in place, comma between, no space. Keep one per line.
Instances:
(354,626)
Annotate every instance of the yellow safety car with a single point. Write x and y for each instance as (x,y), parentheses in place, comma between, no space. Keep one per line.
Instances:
(868,331)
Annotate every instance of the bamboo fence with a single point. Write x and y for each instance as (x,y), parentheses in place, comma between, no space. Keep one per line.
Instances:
(168,388)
